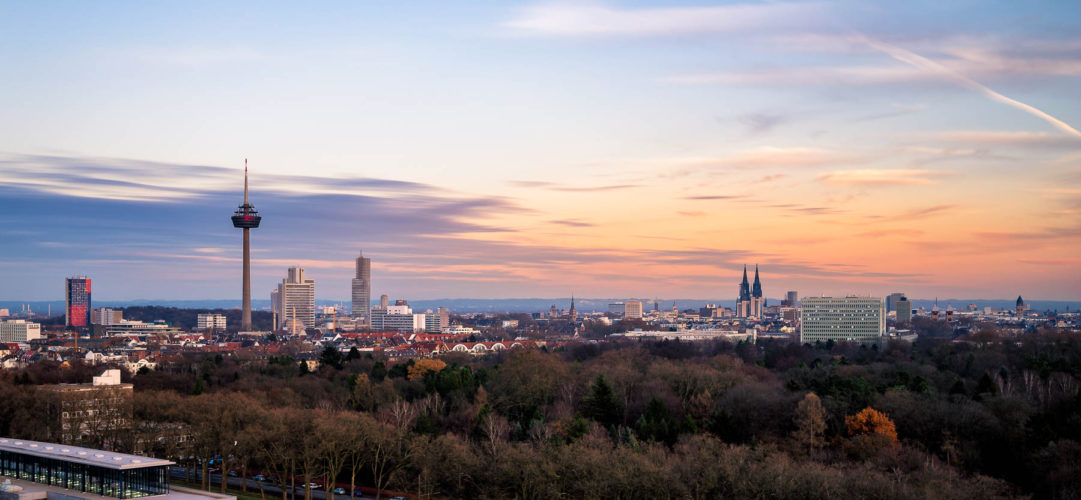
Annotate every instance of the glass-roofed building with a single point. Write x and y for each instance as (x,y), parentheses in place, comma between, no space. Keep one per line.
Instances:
(84,470)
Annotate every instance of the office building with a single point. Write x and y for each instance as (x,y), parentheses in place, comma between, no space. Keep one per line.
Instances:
(904,309)
(246,218)
(66,471)
(77,302)
(792,298)
(861,319)
(19,330)
(384,300)
(210,322)
(362,289)
(397,318)
(891,301)
(296,301)
(91,414)
(437,321)
(106,316)
(632,309)
(751,302)
(617,308)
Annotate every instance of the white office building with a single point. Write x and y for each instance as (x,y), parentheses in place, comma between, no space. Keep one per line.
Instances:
(632,309)
(19,330)
(210,322)
(296,300)
(397,318)
(861,319)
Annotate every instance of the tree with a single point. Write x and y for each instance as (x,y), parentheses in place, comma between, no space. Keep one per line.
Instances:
(331,357)
(422,367)
(810,422)
(602,404)
(871,422)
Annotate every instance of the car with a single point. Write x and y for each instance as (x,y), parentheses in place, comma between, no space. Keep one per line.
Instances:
(314,486)
(233,473)
(261,478)
(358,493)
(398,498)
(339,491)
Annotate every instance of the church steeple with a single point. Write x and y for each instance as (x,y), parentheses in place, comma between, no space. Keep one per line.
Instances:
(757,293)
(744,287)
(573,312)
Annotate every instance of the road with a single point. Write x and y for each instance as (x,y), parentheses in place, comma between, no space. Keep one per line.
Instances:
(272,490)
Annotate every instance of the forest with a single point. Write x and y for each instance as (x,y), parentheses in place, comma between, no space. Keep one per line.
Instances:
(984,417)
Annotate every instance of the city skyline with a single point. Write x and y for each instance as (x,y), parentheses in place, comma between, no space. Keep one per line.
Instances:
(490,150)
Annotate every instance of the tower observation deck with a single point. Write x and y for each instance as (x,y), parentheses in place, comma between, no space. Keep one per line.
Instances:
(246,217)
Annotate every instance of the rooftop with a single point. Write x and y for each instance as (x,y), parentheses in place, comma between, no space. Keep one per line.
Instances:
(100,458)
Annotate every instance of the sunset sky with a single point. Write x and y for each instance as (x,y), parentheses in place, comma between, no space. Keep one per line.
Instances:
(498,149)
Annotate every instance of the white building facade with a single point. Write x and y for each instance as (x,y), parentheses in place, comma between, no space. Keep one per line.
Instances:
(19,330)
(860,319)
(296,300)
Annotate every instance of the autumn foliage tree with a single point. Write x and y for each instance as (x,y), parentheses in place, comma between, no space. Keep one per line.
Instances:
(871,432)
(422,367)
(811,422)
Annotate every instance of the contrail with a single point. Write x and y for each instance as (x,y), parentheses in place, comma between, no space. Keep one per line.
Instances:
(926,64)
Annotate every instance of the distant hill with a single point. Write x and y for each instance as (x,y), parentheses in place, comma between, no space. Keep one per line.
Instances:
(525,305)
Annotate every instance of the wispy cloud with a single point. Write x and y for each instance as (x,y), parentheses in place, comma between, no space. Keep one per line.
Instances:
(925,64)
(1011,138)
(552,186)
(905,177)
(577,20)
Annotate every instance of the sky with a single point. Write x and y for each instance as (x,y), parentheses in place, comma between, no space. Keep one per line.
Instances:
(536,149)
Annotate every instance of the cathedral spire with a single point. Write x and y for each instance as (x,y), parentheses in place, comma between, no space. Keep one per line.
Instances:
(744,286)
(757,291)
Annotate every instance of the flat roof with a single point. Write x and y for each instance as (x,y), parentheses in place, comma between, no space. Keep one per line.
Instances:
(75,454)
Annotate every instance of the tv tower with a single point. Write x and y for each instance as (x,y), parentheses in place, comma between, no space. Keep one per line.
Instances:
(246,217)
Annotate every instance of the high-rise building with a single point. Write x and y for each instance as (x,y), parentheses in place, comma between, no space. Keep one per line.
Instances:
(384,301)
(904,309)
(246,218)
(296,300)
(891,301)
(793,298)
(19,330)
(437,321)
(362,289)
(617,308)
(210,322)
(751,302)
(860,319)
(632,309)
(77,296)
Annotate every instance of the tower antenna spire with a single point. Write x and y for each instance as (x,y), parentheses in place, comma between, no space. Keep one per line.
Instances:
(245,181)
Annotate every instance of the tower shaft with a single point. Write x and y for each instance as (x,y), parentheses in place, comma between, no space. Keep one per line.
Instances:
(245,314)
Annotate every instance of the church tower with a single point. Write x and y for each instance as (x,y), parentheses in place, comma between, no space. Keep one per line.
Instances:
(758,302)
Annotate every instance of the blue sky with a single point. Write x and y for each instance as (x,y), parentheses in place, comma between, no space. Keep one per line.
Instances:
(499,149)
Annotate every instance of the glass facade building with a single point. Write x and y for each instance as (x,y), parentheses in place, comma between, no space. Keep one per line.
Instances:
(91,471)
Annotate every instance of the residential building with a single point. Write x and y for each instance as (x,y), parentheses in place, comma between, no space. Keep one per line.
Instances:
(296,301)
(19,330)
(77,302)
(362,288)
(632,309)
(860,319)
(210,322)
